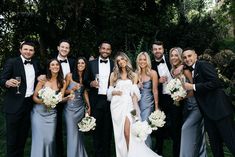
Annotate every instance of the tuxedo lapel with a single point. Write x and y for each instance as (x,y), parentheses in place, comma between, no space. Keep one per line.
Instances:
(35,66)
(168,63)
(96,68)
(72,65)
(111,65)
(195,75)
(20,65)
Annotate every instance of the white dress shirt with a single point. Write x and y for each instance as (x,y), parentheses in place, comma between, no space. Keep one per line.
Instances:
(194,86)
(65,66)
(164,71)
(30,77)
(104,71)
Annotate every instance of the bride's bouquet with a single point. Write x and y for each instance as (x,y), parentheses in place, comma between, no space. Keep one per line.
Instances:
(87,123)
(176,90)
(49,97)
(140,129)
(157,119)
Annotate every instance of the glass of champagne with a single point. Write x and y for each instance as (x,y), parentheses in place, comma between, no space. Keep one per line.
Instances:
(18,78)
(97,77)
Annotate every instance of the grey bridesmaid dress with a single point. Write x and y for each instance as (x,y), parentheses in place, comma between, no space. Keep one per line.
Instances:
(146,104)
(74,112)
(43,123)
(192,132)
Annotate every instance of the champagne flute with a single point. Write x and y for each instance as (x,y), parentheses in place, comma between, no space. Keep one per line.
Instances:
(18,78)
(97,77)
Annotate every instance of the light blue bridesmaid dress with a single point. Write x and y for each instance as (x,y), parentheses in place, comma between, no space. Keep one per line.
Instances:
(43,123)
(74,112)
(146,104)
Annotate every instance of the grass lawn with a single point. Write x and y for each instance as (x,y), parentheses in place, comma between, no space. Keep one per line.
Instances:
(88,142)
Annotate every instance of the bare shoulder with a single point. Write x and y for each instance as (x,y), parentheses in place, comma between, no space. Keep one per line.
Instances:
(135,77)
(153,73)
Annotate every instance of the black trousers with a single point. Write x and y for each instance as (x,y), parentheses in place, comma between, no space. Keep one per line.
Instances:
(102,134)
(17,129)
(59,131)
(220,131)
(172,127)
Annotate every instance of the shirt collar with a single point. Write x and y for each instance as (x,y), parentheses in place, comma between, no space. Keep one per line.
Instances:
(103,59)
(59,58)
(193,66)
(158,60)
(23,59)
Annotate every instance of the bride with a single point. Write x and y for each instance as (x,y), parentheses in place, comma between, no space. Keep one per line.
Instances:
(124,95)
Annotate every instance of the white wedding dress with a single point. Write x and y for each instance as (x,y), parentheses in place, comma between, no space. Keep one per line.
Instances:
(121,106)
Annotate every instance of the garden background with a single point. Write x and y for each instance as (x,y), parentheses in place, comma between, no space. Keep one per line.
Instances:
(131,26)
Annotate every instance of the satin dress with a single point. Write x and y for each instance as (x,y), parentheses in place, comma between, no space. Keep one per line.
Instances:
(43,122)
(146,104)
(74,111)
(121,106)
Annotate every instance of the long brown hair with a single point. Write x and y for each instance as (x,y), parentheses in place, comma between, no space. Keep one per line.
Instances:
(75,75)
(60,76)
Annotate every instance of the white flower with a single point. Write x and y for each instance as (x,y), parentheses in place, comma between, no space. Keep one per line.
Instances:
(175,88)
(49,97)
(157,119)
(87,123)
(141,130)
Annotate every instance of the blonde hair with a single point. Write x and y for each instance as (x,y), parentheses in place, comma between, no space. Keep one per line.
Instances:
(149,66)
(180,52)
(117,70)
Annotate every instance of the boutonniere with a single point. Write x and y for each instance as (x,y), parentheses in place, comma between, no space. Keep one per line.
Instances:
(196,75)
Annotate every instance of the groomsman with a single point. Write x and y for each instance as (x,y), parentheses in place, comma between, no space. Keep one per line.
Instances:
(68,65)
(99,72)
(213,102)
(20,71)
(173,113)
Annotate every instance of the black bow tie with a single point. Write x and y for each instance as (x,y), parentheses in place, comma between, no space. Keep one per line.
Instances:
(159,62)
(63,61)
(103,61)
(189,68)
(27,62)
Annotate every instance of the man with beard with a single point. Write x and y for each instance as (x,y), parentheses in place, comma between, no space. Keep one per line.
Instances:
(99,72)
(173,113)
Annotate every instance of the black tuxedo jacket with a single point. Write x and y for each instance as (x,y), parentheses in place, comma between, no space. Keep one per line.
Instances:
(93,70)
(211,98)
(72,64)
(14,67)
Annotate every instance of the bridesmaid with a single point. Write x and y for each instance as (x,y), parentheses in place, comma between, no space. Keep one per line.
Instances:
(43,120)
(148,83)
(75,109)
(192,133)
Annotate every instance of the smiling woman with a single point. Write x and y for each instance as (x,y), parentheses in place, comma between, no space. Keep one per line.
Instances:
(43,119)
(75,109)
(148,83)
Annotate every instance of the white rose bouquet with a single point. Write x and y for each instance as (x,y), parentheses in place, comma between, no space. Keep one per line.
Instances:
(157,119)
(49,97)
(87,123)
(141,130)
(176,90)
